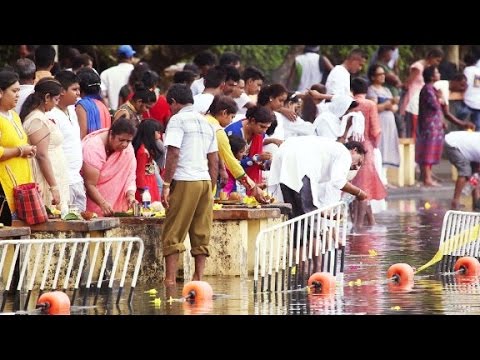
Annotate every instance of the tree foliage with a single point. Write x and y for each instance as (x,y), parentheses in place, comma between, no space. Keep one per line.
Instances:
(265,57)
(271,57)
(408,54)
(274,60)
(7,54)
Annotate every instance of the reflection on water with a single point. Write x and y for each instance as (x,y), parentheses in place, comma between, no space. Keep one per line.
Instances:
(408,232)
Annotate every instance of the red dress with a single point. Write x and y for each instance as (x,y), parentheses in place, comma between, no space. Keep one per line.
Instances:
(146,174)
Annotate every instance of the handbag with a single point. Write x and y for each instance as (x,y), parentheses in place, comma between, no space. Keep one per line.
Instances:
(29,203)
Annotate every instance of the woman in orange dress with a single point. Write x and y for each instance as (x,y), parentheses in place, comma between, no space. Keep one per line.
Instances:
(367,177)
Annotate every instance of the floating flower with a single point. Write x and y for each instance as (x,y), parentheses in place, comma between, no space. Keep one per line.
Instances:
(151,292)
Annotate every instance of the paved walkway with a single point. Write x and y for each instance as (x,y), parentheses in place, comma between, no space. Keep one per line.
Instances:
(443,171)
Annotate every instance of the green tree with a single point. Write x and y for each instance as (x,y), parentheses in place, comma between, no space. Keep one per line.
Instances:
(265,57)
(8,54)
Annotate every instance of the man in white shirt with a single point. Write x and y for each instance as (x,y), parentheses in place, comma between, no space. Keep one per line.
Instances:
(191,170)
(338,81)
(117,76)
(301,174)
(472,94)
(214,83)
(309,68)
(66,119)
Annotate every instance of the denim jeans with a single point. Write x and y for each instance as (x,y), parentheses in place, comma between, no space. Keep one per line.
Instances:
(475,118)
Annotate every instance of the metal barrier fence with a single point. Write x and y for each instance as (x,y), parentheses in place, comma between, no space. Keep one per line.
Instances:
(459,237)
(281,262)
(66,264)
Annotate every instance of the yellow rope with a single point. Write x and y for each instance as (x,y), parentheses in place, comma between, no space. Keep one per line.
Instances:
(464,238)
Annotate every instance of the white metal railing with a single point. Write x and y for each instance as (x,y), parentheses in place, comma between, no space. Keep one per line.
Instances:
(460,236)
(44,264)
(279,254)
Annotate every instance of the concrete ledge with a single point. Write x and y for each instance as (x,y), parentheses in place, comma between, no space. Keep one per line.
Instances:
(58,225)
(246,214)
(9,232)
(229,213)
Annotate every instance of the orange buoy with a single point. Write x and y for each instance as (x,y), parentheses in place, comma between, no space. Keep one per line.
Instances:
(197,290)
(465,280)
(54,303)
(321,304)
(198,307)
(400,287)
(401,273)
(467,266)
(322,283)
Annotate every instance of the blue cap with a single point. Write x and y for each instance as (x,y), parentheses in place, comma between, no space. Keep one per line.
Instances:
(126,50)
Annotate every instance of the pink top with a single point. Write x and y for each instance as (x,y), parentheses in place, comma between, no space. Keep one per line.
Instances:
(372,122)
(117,171)
(415,86)
(105,117)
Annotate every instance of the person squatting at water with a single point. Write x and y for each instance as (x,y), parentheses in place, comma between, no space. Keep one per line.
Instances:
(309,185)
(463,152)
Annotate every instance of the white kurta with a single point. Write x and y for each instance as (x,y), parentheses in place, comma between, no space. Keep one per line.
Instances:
(310,70)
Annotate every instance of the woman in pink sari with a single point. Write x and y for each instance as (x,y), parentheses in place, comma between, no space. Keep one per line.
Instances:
(109,167)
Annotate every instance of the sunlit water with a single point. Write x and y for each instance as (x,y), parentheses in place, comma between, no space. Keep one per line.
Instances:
(406,233)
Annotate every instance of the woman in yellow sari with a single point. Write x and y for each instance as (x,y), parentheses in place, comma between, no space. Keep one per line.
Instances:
(14,147)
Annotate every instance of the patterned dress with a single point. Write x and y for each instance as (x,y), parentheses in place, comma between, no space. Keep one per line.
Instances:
(430,134)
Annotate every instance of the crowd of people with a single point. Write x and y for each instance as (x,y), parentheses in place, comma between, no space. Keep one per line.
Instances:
(97,140)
